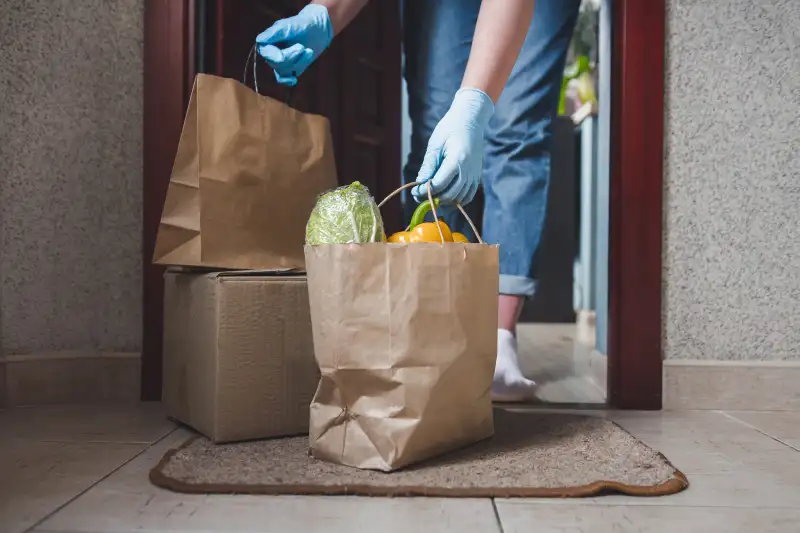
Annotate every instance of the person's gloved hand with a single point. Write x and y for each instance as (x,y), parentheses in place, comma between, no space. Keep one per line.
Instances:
(454,159)
(290,45)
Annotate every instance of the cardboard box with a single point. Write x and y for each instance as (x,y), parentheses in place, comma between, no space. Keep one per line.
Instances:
(238,354)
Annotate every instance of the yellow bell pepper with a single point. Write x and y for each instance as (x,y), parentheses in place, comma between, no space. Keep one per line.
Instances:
(401,237)
(427,232)
(421,231)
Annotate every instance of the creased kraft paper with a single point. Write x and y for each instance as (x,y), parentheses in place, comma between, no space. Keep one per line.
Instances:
(246,176)
(406,338)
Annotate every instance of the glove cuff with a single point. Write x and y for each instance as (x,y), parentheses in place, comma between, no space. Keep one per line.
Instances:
(476,102)
(319,14)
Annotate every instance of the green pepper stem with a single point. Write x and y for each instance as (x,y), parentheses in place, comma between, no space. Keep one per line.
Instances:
(421,212)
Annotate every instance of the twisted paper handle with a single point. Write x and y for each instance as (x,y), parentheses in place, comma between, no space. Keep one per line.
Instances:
(433,208)
(252,57)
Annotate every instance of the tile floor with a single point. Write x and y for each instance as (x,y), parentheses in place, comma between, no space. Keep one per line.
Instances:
(558,358)
(83,469)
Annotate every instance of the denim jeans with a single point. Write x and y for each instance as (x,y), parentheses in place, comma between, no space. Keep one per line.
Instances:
(516,171)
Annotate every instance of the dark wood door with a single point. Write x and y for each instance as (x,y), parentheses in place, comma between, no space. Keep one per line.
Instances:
(356,84)
(369,121)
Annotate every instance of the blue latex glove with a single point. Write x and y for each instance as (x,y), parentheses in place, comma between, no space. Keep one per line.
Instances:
(290,45)
(454,159)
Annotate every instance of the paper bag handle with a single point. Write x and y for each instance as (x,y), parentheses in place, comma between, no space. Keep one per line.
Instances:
(252,56)
(433,208)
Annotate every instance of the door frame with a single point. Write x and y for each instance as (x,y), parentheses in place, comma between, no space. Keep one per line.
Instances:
(167,83)
(635,359)
(636,187)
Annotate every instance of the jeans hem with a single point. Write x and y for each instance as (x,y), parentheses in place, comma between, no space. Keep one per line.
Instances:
(517,285)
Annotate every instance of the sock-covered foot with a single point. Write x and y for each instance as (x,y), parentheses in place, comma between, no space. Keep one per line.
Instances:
(509,385)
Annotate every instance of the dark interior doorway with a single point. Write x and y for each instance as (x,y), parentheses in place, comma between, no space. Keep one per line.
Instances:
(356,84)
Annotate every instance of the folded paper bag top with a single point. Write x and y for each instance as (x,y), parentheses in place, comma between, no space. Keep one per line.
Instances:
(247,173)
(405,337)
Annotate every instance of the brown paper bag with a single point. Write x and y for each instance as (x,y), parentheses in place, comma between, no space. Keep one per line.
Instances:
(246,176)
(406,340)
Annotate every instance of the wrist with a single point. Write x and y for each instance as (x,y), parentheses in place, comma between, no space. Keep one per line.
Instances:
(318,12)
(476,103)
(340,12)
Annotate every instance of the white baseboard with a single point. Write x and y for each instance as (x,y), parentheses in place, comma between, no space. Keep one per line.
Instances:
(70,377)
(598,371)
(585,321)
(734,385)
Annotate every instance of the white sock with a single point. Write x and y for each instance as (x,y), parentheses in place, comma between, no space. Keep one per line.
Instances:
(509,385)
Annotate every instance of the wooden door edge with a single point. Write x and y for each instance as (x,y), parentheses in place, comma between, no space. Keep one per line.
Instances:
(167,80)
(636,204)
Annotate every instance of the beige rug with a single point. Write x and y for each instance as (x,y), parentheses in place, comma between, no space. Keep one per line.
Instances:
(531,455)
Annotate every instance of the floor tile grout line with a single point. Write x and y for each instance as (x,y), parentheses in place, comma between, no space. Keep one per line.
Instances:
(751,426)
(577,502)
(102,478)
(497,517)
(77,441)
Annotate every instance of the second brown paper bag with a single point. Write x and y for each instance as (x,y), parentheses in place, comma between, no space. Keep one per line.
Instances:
(406,341)
(247,173)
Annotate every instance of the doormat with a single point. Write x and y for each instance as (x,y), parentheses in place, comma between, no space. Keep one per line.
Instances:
(531,455)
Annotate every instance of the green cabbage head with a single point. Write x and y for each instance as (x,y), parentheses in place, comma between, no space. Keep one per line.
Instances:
(345,215)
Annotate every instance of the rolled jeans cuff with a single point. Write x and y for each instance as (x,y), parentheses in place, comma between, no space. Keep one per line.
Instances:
(517,285)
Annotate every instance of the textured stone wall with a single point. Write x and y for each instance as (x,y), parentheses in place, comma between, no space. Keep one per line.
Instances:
(70,175)
(732,238)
